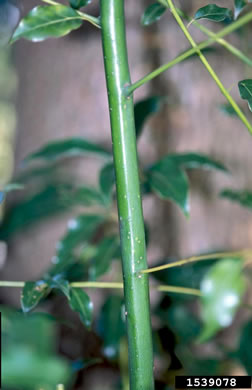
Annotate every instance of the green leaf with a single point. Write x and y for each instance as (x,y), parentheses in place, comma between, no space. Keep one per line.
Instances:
(80,302)
(213,12)
(57,282)
(29,360)
(244,353)
(168,179)
(222,290)
(111,325)
(152,13)
(194,161)
(48,202)
(244,197)
(68,147)
(32,294)
(88,196)
(24,369)
(79,3)
(245,89)
(170,182)
(228,109)
(107,180)
(50,21)
(239,6)
(106,251)
(175,317)
(145,108)
(193,365)
(80,230)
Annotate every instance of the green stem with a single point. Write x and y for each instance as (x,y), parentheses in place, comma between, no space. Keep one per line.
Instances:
(183,56)
(136,286)
(243,254)
(232,49)
(209,68)
(183,290)
(117,285)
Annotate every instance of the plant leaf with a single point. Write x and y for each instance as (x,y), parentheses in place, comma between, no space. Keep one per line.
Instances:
(76,4)
(245,89)
(176,316)
(228,109)
(106,251)
(88,196)
(244,353)
(29,360)
(107,180)
(194,161)
(80,230)
(48,202)
(152,13)
(80,302)
(222,290)
(239,6)
(145,108)
(50,21)
(213,12)
(170,182)
(111,326)
(68,147)
(168,179)
(33,293)
(244,197)
(61,284)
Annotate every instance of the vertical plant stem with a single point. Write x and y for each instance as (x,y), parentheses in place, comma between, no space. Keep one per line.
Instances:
(136,287)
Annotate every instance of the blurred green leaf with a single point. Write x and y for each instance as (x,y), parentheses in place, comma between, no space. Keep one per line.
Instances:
(194,365)
(80,302)
(222,290)
(111,326)
(152,13)
(50,21)
(28,355)
(176,316)
(239,7)
(88,196)
(68,147)
(107,179)
(194,161)
(25,370)
(243,197)
(213,12)
(145,108)
(106,251)
(244,353)
(48,202)
(79,3)
(14,187)
(170,182)
(32,294)
(80,231)
(228,109)
(168,179)
(245,89)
